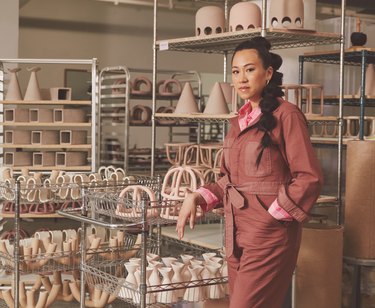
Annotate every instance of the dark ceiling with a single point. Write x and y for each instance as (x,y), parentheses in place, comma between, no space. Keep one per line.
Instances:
(361,6)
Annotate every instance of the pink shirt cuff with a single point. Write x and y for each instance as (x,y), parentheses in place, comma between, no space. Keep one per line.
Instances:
(278,212)
(209,197)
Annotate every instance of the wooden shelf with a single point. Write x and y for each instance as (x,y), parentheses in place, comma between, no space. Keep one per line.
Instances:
(27,215)
(46,102)
(46,146)
(51,125)
(49,168)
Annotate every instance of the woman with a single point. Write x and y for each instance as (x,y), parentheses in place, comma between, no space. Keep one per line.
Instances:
(270,180)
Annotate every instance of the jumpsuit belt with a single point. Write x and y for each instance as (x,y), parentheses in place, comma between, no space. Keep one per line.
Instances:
(234,198)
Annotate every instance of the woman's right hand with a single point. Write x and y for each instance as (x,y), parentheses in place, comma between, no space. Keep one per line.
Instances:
(188,211)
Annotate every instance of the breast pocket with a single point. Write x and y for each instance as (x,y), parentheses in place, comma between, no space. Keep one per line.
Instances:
(250,155)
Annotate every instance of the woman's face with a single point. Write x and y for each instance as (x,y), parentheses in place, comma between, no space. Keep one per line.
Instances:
(248,75)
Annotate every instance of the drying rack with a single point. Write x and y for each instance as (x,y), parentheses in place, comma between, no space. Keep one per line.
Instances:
(103,207)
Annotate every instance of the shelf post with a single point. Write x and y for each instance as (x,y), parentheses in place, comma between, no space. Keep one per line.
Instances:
(154,68)
(264,18)
(83,247)
(16,253)
(93,113)
(340,117)
(362,100)
(143,286)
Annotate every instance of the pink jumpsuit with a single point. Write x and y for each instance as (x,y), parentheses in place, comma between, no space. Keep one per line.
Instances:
(262,251)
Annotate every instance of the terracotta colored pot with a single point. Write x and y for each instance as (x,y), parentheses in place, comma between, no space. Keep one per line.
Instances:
(141,86)
(244,15)
(169,87)
(288,14)
(209,20)
(140,115)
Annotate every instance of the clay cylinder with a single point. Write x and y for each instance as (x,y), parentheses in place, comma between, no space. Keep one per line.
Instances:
(209,20)
(319,267)
(244,15)
(359,236)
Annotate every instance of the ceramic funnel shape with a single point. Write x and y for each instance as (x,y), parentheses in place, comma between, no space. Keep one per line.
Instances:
(187,103)
(227,91)
(244,15)
(216,103)
(209,20)
(287,14)
(14,91)
(33,91)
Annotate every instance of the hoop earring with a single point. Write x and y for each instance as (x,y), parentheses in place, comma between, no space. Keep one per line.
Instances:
(268,81)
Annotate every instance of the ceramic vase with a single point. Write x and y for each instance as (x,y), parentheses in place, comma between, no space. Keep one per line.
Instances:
(194,294)
(14,91)
(185,271)
(287,14)
(166,297)
(216,103)
(214,291)
(33,91)
(177,277)
(244,15)
(130,280)
(168,261)
(154,278)
(209,20)
(186,102)
(152,257)
(150,297)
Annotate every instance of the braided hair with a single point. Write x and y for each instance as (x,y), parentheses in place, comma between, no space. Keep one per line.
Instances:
(271,91)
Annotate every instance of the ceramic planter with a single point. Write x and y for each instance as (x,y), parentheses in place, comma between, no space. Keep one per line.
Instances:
(14,91)
(287,14)
(209,20)
(244,15)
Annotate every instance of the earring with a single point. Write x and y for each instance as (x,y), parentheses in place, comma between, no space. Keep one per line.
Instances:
(268,81)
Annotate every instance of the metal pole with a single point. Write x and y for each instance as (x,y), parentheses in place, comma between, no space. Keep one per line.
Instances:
(16,253)
(93,113)
(340,218)
(126,120)
(300,69)
(362,100)
(143,286)
(83,248)
(264,18)
(154,68)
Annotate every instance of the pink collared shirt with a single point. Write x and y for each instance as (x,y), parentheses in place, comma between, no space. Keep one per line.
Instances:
(246,116)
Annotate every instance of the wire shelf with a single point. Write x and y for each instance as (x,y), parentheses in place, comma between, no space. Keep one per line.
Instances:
(198,117)
(333,57)
(110,277)
(225,42)
(46,262)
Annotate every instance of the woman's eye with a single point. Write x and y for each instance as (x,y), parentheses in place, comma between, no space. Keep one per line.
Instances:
(249,70)
(234,72)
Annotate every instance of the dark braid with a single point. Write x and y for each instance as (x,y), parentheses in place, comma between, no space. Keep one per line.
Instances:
(271,91)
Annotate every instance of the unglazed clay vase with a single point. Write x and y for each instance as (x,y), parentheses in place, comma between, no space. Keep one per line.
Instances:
(166,297)
(131,279)
(244,15)
(33,90)
(14,91)
(216,103)
(186,102)
(177,277)
(287,14)
(209,20)
(194,294)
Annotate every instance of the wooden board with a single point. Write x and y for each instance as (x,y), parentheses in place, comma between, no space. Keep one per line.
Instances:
(27,215)
(52,125)
(46,102)
(329,52)
(205,235)
(46,146)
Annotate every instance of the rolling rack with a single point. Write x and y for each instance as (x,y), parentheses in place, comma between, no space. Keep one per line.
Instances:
(103,207)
